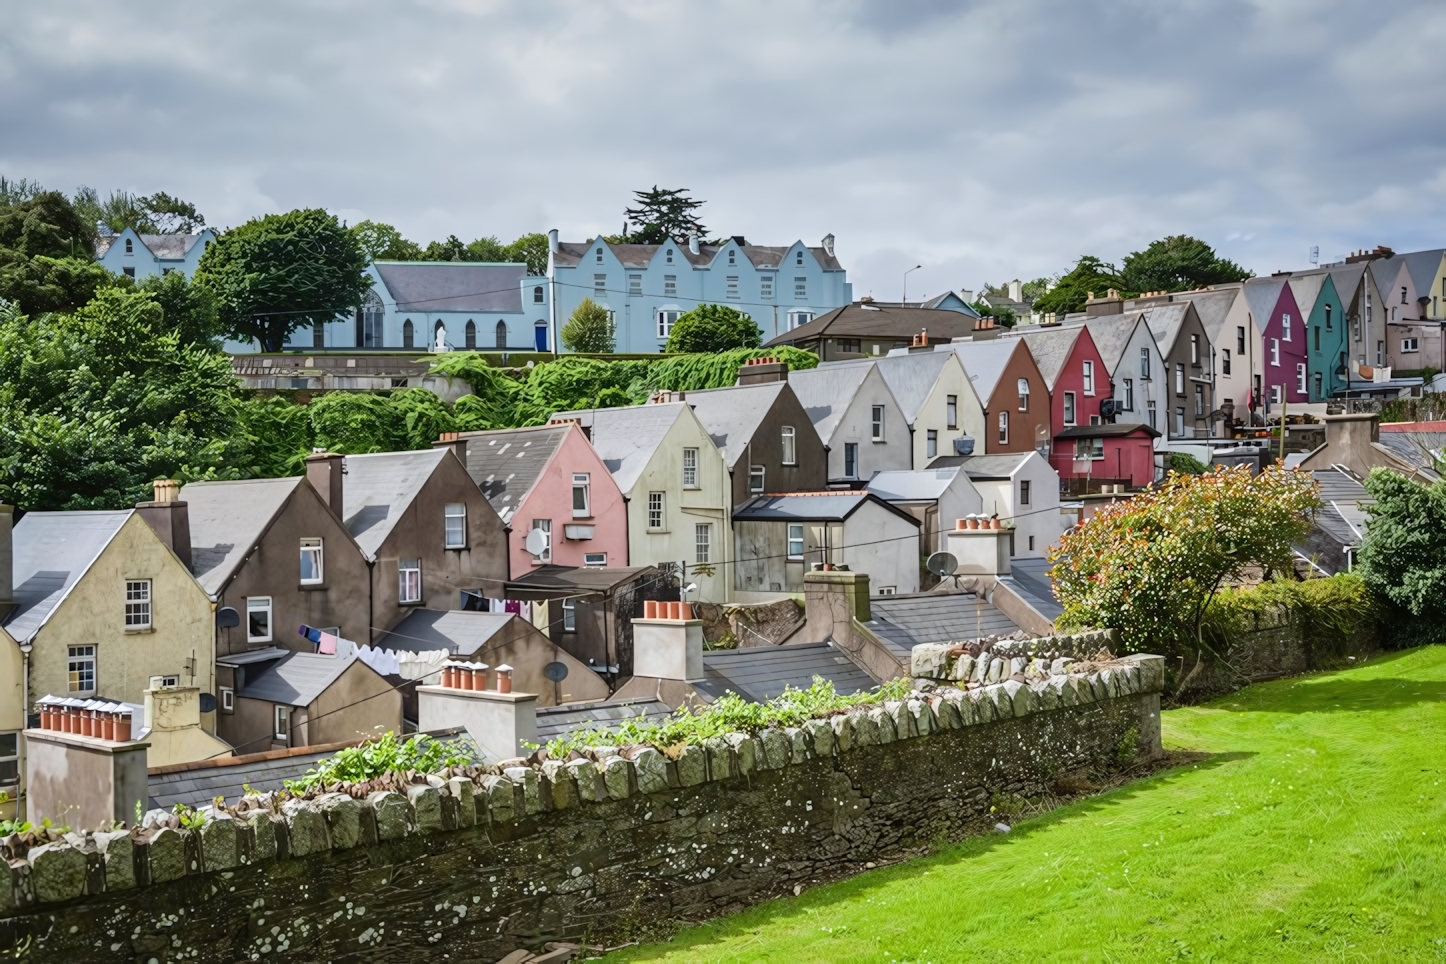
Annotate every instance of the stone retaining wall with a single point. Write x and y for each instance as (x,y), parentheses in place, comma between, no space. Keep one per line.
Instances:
(594,847)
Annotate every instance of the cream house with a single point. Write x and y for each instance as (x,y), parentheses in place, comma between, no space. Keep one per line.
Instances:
(12,683)
(677,488)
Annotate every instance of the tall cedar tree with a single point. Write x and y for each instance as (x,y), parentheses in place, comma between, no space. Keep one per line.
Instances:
(1178,263)
(662,214)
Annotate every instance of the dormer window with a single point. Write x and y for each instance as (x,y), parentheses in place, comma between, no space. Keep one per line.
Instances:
(130,249)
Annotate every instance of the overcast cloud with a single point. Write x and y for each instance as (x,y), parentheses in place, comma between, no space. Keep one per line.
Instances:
(984,140)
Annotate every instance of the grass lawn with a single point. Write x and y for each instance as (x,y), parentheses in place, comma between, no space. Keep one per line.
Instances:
(1317,832)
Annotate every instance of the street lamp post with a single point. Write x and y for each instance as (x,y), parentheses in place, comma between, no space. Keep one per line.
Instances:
(906,281)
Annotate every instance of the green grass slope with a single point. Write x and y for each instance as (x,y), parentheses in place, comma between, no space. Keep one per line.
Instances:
(1316,832)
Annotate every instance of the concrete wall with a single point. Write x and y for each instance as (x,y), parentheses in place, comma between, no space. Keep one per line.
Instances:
(600,847)
(80,781)
(93,614)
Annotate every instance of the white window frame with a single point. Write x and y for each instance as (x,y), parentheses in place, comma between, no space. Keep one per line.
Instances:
(1150,413)
(670,285)
(1410,344)
(455,511)
(765,287)
(655,511)
(1022,388)
(1089,378)
(1003,428)
(1145,363)
(582,483)
(1069,408)
(409,581)
(797,319)
(1275,352)
(1300,377)
(600,284)
(80,661)
(951,411)
(800,288)
(226,699)
(1129,394)
(594,559)
(1225,361)
(281,723)
(9,758)
(1024,492)
(259,604)
(731,288)
(138,604)
(1179,378)
(888,590)
(311,546)
(635,285)
(1200,399)
(876,423)
(569,615)
(756,482)
(702,542)
(789,440)
(1285,327)
(851,460)
(1194,349)
(546,526)
(1179,421)
(667,318)
(931,444)
(795,540)
(690,468)
(1380,352)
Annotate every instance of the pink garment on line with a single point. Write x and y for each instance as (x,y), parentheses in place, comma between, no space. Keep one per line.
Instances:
(327,645)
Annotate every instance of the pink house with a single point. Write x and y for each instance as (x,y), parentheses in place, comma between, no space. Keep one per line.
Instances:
(548,477)
(1285,362)
(1078,380)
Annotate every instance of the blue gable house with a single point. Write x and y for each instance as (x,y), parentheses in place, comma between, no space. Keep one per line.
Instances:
(647,286)
(142,256)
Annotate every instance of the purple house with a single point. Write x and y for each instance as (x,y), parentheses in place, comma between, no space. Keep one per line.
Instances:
(1286,356)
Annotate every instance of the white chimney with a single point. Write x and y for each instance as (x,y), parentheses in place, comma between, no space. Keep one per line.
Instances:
(499,722)
(981,550)
(1016,290)
(828,244)
(552,241)
(966,295)
(693,244)
(668,642)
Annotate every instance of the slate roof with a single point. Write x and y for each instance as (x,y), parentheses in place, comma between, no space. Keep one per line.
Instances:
(826,393)
(832,505)
(732,415)
(984,362)
(904,621)
(1384,272)
(1422,267)
(888,322)
(1414,443)
(379,488)
(626,438)
(1305,288)
(570,253)
(1347,278)
(52,550)
(247,657)
(506,463)
(1213,306)
(430,286)
(462,633)
(1050,347)
(1029,577)
(964,307)
(227,520)
(918,485)
(983,468)
(1112,334)
(554,721)
(1262,295)
(760,673)
(1165,322)
(1108,430)
(910,376)
(1339,524)
(167,247)
(550,581)
(298,679)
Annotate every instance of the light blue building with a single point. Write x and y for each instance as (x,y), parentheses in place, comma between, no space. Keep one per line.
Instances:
(142,256)
(647,286)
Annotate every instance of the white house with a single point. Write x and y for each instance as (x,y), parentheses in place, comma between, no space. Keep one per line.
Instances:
(1023,490)
(856,416)
(936,497)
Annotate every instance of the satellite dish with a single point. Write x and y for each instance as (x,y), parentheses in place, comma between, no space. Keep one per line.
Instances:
(226,617)
(942,564)
(536,542)
(208,702)
(557,672)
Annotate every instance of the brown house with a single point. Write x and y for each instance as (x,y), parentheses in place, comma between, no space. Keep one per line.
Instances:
(766,437)
(869,328)
(1189,370)
(425,528)
(1013,392)
(303,699)
(271,550)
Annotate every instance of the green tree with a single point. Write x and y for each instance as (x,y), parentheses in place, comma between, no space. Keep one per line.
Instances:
(590,329)
(1150,566)
(159,213)
(1089,274)
(451,249)
(713,328)
(13,192)
(532,250)
(662,214)
(46,254)
(1003,317)
(187,308)
(490,250)
(282,272)
(1036,289)
(382,242)
(1403,557)
(1178,263)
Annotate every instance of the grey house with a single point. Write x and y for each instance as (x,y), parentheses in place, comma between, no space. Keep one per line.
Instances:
(857,418)
(302,699)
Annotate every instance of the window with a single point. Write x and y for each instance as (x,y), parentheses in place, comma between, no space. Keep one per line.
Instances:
(1004,427)
(635,284)
(80,669)
(282,719)
(1380,353)
(877,428)
(537,296)
(1031,543)
(799,318)
(1317,337)
(666,320)
(1240,340)
(409,334)
(499,335)
(1275,351)
(931,444)
(690,468)
(765,287)
(755,479)
(795,540)
(670,256)
(732,257)
(1225,361)
(470,333)
(790,451)
(1403,295)
(1300,377)
(951,411)
(1328,316)
(1285,327)
(1318,391)
(670,286)
(851,460)
(1200,399)
(1089,378)
(1129,394)
(888,590)
(129,272)
(595,559)
(311,571)
(409,581)
(850,344)
(732,282)
(258,619)
(1179,378)
(1069,408)
(1086,449)
(800,288)
(1150,413)
(138,604)
(1024,492)
(455,520)
(545,526)
(1179,422)
(702,542)
(1145,363)
(581,495)
(569,615)
(655,510)
(130,247)
(1410,344)
(600,285)
(228,699)
(1194,349)
(1023,388)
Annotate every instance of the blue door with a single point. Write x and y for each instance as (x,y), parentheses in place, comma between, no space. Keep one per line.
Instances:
(540,335)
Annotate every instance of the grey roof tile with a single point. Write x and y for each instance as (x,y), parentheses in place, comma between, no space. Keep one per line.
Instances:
(626,438)
(1050,347)
(432,286)
(905,621)
(52,550)
(761,673)
(905,485)
(379,488)
(826,393)
(506,463)
(227,520)
(463,633)
(298,679)
(732,415)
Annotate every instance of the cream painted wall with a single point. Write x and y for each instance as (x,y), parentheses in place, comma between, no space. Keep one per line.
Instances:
(683,509)
(12,710)
(1040,519)
(934,415)
(94,614)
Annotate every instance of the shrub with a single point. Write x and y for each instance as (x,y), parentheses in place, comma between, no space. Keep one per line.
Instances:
(1186,464)
(1404,555)
(590,329)
(713,328)
(1334,615)
(377,758)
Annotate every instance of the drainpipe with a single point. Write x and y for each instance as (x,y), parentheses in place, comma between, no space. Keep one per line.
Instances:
(20,801)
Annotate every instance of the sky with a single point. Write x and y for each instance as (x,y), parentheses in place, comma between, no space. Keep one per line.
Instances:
(983,141)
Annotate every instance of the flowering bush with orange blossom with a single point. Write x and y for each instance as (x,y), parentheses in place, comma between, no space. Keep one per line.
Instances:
(1149,567)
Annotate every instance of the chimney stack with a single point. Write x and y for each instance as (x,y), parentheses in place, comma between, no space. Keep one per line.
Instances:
(1016,290)
(324,470)
(500,720)
(455,442)
(169,518)
(755,371)
(828,244)
(552,241)
(668,642)
(693,244)
(981,545)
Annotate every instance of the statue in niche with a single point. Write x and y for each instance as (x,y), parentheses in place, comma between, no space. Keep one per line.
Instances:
(441,345)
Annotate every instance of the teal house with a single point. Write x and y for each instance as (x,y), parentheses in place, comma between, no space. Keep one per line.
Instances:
(1327,299)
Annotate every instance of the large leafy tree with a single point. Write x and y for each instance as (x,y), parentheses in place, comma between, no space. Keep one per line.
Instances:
(1150,566)
(187,308)
(530,249)
(664,213)
(158,213)
(1178,263)
(1404,555)
(590,329)
(713,328)
(1072,291)
(46,253)
(282,272)
(382,242)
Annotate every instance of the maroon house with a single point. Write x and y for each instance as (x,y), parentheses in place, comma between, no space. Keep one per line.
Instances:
(1286,356)
(1078,380)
